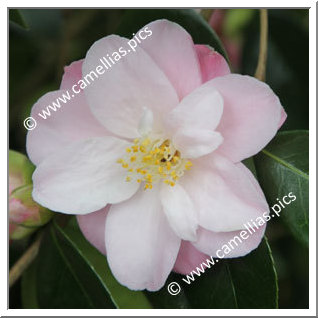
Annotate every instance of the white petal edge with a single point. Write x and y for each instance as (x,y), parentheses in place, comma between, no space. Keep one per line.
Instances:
(179,210)
(201,109)
(83,177)
(196,143)
(141,246)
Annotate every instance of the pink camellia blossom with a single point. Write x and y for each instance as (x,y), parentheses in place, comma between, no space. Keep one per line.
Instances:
(149,155)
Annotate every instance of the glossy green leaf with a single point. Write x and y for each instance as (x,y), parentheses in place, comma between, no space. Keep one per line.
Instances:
(283,167)
(245,282)
(121,296)
(50,282)
(62,284)
(70,273)
(232,283)
(200,30)
(69,265)
(163,300)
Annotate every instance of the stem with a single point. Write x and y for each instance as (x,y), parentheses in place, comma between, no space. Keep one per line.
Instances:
(262,57)
(24,261)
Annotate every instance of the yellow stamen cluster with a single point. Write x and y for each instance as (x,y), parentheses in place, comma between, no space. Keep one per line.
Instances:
(149,161)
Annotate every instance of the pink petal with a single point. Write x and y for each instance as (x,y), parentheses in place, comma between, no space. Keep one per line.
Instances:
(83,177)
(226,195)
(210,242)
(172,48)
(73,121)
(212,63)
(283,118)
(141,246)
(118,96)
(188,258)
(92,226)
(251,115)
(19,212)
(72,74)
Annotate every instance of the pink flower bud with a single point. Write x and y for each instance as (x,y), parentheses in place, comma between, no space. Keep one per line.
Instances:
(25,215)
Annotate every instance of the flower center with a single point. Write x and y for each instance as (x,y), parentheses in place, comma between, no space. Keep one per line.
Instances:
(150,161)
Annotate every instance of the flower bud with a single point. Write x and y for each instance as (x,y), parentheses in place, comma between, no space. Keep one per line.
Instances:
(25,215)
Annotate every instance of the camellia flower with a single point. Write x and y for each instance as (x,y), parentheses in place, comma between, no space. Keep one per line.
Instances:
(25,215)
(148,156)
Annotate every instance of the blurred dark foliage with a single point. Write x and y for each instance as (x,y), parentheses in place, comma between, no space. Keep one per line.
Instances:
(287,70)
(288,75)
(55,38)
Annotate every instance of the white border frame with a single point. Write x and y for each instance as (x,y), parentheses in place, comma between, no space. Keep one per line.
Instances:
(312,161)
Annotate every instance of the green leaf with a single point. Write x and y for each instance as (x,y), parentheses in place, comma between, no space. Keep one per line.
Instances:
(28,288)
(70,273)
(121,296)
(245,282)
(63,284)
(231,283)
(16,16)
(249,163)
(50,282)
(163,300)
(60,271)
(200,30)
(283,167)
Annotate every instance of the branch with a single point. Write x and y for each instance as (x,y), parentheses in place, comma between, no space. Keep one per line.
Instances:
(24,261)
(262,57)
